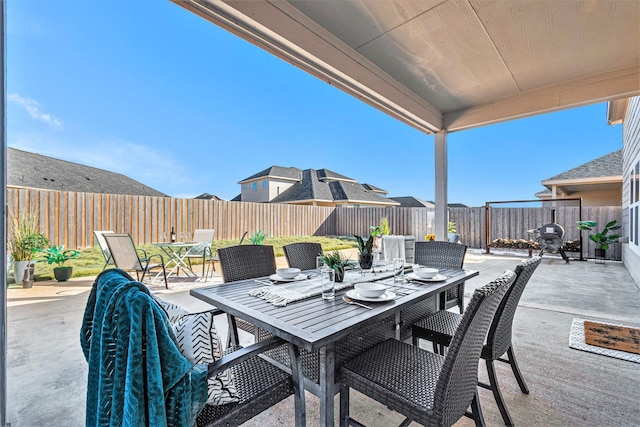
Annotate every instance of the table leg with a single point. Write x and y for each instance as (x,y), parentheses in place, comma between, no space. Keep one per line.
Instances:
(298,385)
(327,379)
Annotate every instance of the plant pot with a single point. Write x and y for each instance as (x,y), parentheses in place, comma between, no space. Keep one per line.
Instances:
(600,254)
(62,274)
(454,237)
(18,271)
(365,261)
(339,274)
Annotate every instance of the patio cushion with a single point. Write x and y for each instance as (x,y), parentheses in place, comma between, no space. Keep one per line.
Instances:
(174,312)
(198,341)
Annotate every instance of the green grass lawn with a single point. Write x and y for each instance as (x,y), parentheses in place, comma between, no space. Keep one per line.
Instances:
(90,261)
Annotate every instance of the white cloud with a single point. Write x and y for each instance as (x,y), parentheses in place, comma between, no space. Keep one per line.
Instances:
(32,107)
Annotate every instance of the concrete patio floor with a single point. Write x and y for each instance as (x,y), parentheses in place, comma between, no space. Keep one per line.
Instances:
(46,376)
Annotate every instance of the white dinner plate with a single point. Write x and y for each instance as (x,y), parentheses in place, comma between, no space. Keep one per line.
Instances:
(387,296)
(277,278)
(436,278)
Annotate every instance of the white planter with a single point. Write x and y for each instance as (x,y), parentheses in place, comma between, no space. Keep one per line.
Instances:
(18,270)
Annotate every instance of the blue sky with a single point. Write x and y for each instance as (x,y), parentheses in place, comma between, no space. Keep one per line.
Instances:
(150,90)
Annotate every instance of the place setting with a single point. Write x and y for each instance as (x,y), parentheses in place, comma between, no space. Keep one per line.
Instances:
(422,274)
(368,292)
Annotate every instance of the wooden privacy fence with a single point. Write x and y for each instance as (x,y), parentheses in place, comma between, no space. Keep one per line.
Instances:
(70,218)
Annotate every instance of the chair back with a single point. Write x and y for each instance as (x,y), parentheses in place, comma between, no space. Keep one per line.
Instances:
(440,254)
(458,378)
(99,238)
(203,236)
(246,262)
(302,255)
(123,251)
(499,338)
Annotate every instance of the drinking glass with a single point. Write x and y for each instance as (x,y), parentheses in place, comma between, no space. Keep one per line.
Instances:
(319,264)
(398,269)
(328,280)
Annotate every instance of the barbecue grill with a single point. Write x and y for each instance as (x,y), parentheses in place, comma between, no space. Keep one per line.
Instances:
(550,239)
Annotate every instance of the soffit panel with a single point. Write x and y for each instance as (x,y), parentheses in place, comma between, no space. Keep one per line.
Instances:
(550,41)
(445,56)
(357,22)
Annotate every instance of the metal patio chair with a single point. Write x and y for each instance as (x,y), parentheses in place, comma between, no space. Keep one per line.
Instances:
(441,327)
(426,387)
(125,256)
(302,255)
(444,255)
(244,262)
(203,236)
(98,236)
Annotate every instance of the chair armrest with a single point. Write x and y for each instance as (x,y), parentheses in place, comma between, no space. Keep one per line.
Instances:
(155,255)
(243,354)
(144,256)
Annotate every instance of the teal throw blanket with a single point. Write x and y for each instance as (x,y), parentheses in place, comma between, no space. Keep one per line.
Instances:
(137,376)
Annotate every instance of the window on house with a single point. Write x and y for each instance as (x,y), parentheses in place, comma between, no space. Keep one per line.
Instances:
(264,184)
(255,185)
(634,206)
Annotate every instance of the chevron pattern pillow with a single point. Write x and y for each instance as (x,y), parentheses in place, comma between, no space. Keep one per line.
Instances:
(174,312)
(198,341)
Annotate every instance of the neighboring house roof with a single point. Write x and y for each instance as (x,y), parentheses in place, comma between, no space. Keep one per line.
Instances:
(328,175)
(607,165)
(207,196)
(412,202)
(375,189)
(315,186)
(450,205)
(276,172)
(602,173)
(25,169)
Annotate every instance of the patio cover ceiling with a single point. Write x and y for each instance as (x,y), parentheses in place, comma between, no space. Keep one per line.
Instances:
(450,64)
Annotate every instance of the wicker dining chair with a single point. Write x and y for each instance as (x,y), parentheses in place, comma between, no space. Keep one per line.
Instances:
(302,255)
(125,256)
(444,255)
(426,387)
(257,383)
(244,262)
(441,326)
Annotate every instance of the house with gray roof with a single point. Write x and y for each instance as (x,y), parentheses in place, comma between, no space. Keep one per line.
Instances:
(598,182)
(31,170)
(321,187)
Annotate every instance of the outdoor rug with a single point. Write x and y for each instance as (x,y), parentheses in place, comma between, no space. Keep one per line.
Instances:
(608,339)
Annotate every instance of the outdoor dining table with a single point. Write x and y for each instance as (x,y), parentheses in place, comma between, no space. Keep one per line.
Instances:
(330,332)
(177,253)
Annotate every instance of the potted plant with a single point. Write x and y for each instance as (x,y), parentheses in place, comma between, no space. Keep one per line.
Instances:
(337,263)
(258,238)
(377,231)
(602,239)
(365,252)
(57,255)
(451,230)
(24,243)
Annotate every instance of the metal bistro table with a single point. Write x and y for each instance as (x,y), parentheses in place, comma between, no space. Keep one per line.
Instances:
(329,333)
(177,252)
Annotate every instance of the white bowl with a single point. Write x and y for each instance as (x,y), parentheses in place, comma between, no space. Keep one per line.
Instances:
(425,272)
(288,273)
(370,290)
